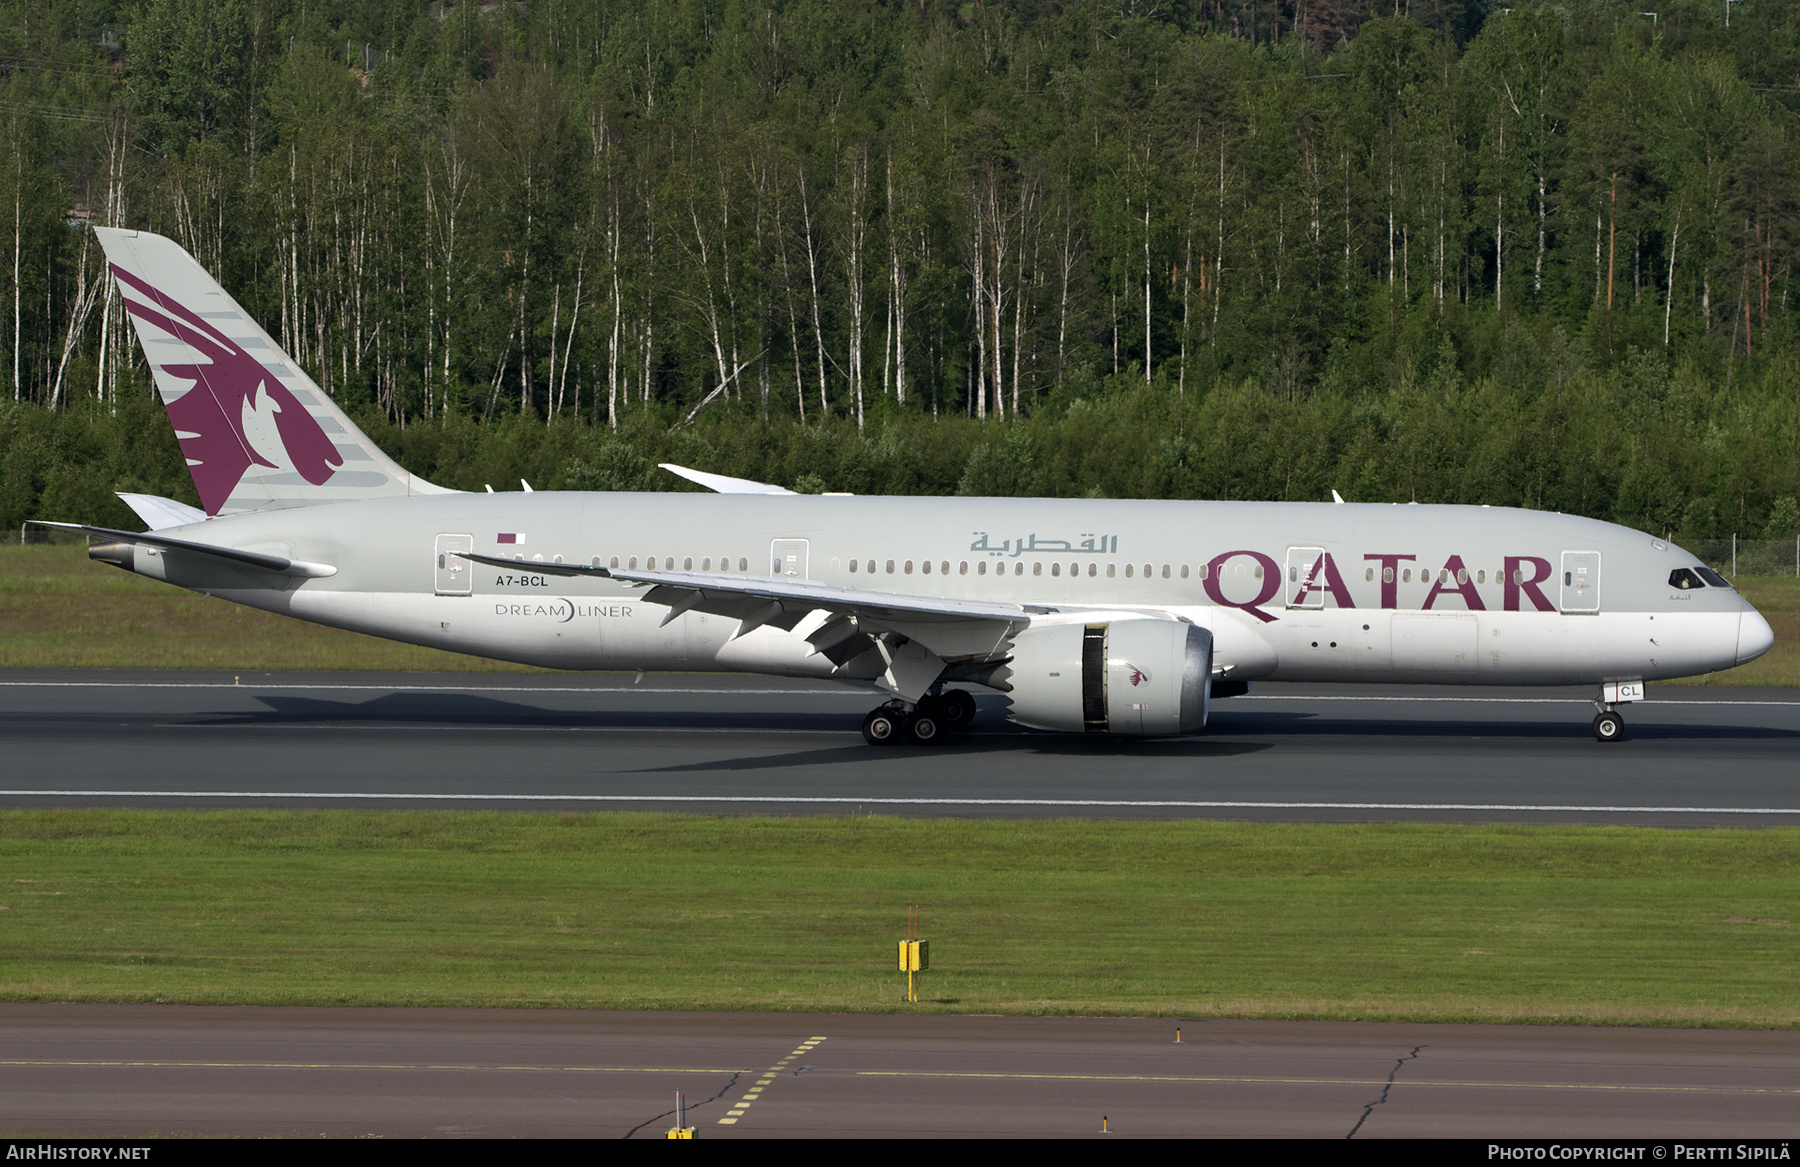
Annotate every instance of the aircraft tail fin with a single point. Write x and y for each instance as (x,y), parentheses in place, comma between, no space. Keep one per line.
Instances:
(256,430)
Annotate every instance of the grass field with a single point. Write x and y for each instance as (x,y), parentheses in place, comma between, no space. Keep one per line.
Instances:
(1497,923)
(59,609)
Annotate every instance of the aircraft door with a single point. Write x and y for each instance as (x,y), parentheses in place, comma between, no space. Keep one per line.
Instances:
(788,558)
(1305,577)
(455,575)
(1581,582)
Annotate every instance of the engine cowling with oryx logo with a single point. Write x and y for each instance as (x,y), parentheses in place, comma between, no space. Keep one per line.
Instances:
(1139,676)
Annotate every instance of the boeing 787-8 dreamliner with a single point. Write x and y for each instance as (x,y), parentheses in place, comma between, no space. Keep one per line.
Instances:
(1092,616)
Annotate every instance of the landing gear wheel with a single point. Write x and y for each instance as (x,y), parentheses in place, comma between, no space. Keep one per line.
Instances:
(925,727)
(958,708)
(881,727)
(1608,727)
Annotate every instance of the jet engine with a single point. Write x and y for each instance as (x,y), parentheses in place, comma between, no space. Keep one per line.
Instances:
(1132,676)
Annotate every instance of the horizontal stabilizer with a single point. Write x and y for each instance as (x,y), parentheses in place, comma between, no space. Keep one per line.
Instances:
(279,564)
(159,514)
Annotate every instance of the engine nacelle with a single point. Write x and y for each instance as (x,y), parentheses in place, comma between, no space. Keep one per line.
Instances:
(1132,676)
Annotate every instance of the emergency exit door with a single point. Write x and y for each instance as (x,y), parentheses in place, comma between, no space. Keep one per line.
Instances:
(1581,581)
(787,558)
(453,571)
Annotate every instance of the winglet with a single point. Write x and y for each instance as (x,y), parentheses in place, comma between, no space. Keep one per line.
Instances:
(724,484)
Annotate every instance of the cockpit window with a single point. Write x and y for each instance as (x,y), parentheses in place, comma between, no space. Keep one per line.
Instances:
(1712,577)
(1683,579)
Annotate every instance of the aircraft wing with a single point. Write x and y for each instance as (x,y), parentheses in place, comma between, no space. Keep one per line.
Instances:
(722,483)
(857,621)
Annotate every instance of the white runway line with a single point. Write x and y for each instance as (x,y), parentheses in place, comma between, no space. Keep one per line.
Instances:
(773,800)
(834,692)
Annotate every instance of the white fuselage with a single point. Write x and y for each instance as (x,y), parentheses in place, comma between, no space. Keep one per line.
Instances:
(1290,591)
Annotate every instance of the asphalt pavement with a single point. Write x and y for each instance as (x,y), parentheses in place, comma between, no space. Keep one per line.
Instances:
(735,744)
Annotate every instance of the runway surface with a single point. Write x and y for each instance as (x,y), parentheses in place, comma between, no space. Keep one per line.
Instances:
(734,744)
(140,1070)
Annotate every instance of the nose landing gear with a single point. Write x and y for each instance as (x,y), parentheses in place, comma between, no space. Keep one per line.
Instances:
(1609,723)
(935,717)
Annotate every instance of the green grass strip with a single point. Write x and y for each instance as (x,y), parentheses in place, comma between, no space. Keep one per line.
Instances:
(1610,925)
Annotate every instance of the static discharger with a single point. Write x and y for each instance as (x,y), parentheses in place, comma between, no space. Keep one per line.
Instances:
(681,1130)
(915,954)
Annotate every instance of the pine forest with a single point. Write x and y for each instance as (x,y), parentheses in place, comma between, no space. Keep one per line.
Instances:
(1432,250)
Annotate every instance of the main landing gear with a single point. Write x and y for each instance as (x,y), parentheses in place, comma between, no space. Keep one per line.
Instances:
(927,723)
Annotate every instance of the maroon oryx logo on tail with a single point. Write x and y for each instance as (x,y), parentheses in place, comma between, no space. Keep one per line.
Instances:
(238,414)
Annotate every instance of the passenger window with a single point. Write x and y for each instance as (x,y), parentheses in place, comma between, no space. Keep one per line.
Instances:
(925,567)
(871,567)
(1293,573)
(1369,575)
(669,563)
(853,565)
(962,568)
(633,564)
(1204,570)
(1387,575)
(981,567)
(706,564)
(1259,571)
(1462,575)
(743,564)
(613,562)
(1184,571)
(687,563)
(1037,569)
(1019,568)
(944,567)
(890,567)
(1406,576)
(1056,569)
(907,569)
(1165,571)
(1128,569)
(1481,577)
(1111,570)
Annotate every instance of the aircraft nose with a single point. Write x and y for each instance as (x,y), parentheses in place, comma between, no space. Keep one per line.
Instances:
(1755,637)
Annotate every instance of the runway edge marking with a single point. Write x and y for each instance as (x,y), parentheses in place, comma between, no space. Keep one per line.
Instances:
(851,800)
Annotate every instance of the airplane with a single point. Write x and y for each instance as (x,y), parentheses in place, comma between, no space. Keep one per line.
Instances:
(1120,617)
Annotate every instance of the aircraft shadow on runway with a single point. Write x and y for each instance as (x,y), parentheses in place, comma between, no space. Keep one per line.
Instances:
(1224,736)
(1008,742)
(402,710)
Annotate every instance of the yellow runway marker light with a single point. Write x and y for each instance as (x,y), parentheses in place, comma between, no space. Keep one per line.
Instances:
(915,954)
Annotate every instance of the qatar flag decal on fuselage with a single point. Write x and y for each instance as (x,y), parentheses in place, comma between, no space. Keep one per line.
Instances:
(238,414)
